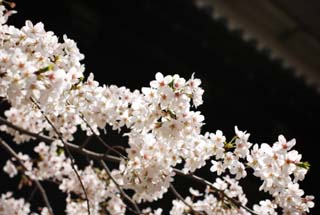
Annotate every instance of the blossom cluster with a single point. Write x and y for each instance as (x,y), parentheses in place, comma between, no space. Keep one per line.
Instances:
(10,205)
(42,79)
(53,165)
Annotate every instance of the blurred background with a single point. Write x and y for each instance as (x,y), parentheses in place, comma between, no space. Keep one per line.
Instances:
(252,79)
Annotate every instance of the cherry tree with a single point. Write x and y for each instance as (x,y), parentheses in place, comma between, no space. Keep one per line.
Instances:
(51,101)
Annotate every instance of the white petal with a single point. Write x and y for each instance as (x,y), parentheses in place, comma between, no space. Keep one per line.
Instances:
(159,76)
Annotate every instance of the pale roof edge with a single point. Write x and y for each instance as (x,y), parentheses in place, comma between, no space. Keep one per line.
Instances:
(273,29)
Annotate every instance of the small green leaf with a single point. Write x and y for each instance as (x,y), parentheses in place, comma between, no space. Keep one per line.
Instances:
(305,165)
(172,114)
(228,146)
(44,69)
(171,84)
(60,151)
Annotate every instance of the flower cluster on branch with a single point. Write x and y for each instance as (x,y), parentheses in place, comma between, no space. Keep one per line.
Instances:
(51,101)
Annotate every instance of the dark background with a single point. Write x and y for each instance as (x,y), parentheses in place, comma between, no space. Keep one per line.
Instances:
(127,42)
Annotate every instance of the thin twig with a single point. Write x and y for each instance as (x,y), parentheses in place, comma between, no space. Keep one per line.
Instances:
(177,194)
(32,193)
(85,142)
(116,147)
(221,192)
(43,193)
(68,151)
(123,194)
(100,139)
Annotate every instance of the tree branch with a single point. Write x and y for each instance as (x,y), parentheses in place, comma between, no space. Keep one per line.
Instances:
(67,149)
(85,142)
(26,132)
(73,147)
(43,193)
(100,139)
(177,194)
(221,192)
(123,194)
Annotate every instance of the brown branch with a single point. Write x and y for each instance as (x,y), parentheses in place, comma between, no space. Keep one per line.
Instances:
(86,142)
(32,193)
(177,194)
(73,147)
(123,194)
(42,191)
(25,131)
(67,149)
(221,192)
(100,139)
